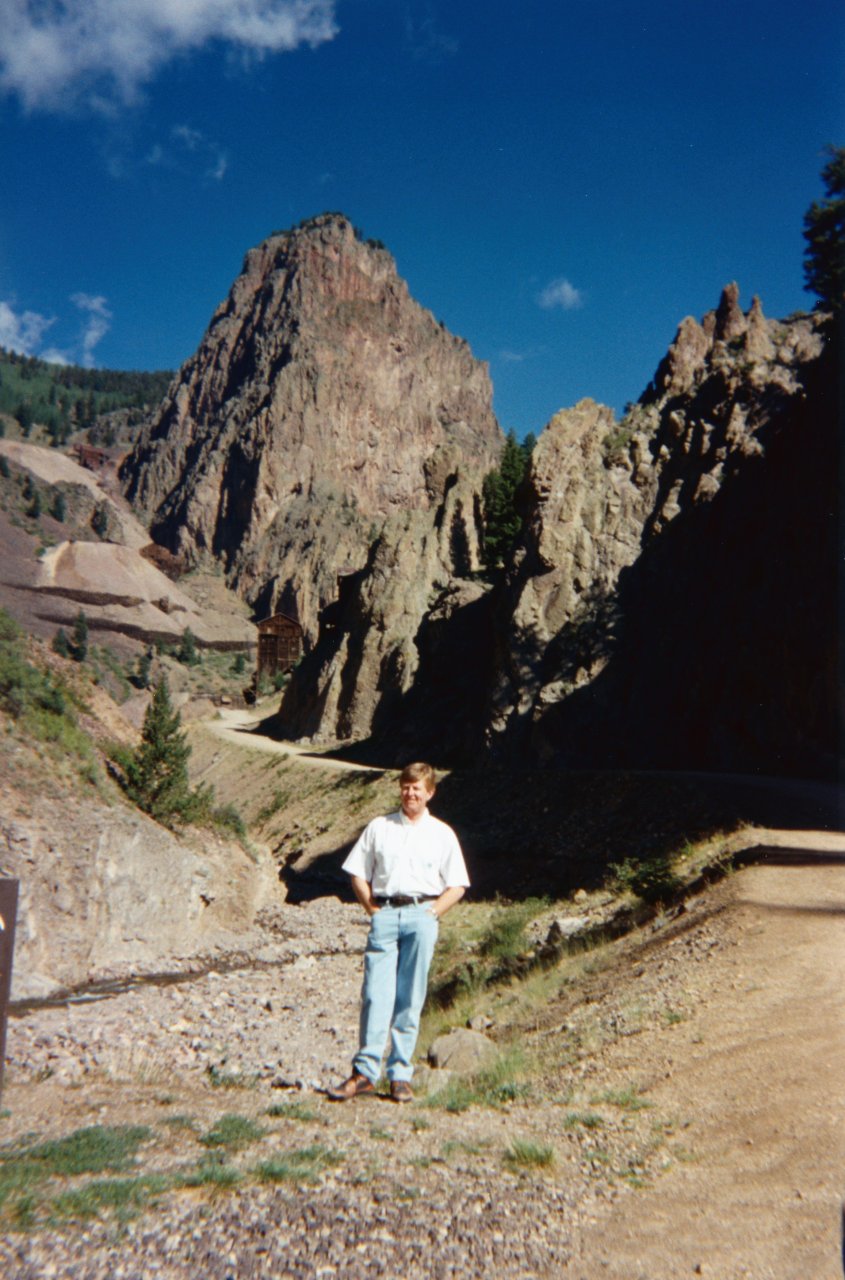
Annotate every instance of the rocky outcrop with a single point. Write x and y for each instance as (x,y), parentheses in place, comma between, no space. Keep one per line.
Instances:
(120,590)
(62,474)
(323,408)
(107,892)
(658,609)
(364,676)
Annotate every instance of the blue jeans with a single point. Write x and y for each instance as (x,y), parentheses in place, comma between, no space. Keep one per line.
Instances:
(399,950)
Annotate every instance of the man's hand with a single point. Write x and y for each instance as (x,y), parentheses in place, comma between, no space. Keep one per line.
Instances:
(447,900)
(364,893)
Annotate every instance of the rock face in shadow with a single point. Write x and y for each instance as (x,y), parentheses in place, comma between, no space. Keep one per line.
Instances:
(673,599)
(323,406)
(371,675)
(671,602)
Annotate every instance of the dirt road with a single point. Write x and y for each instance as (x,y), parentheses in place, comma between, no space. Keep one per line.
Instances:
(756,1077)
(239,726)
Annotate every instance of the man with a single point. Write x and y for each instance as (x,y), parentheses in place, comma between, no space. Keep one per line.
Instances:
(407,871)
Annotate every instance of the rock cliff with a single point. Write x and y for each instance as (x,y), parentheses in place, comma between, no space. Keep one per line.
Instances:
(322,406)
(672,601)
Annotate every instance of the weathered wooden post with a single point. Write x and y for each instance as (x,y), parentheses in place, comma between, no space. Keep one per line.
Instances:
(8,915)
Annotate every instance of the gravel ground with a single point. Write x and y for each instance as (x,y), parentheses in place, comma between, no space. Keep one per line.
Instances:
(290,1021)
(411,1191)
(684,1058)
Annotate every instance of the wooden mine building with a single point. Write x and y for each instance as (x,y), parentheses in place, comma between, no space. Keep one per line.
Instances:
(279,644)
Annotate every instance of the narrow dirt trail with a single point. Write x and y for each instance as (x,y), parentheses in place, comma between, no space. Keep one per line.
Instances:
(239,726)
(755,1078)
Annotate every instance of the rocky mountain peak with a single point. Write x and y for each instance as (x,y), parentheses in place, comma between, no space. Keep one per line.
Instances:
(322,401)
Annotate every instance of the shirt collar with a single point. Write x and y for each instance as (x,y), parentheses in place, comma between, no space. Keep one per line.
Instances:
(406,821)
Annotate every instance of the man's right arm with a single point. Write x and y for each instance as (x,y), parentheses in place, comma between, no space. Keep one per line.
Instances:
(364,893)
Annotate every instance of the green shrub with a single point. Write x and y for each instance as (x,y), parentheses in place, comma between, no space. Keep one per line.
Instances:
(505,936)
(651,879)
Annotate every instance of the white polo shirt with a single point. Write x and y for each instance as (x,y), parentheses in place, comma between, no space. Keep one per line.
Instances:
(397,856)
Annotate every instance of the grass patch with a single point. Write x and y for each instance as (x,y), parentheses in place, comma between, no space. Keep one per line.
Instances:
(123,1197)
(213,1171)
(304,1165)
(42,705)
(279,799)
(496,1086)
(582,1120)
(232,1131)
(463,1148)
(181,1122)
(292,1111)
(90,1150)
(628,1099)
(220,1079)
(528,1155)
(504,938)
(381,1135)
(25,1169)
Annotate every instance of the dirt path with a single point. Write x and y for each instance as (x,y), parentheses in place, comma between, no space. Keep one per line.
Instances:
(755,1076)
(239,726)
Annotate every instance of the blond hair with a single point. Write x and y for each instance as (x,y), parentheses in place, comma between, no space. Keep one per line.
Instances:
(419,772)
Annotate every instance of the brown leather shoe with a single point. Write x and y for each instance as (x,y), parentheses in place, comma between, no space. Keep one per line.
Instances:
(401,1091)
(351,1088)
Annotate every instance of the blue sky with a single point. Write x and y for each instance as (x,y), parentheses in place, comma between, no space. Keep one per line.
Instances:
(560,183)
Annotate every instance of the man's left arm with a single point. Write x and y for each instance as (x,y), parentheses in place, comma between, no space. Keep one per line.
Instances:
(447,899)
(454,873)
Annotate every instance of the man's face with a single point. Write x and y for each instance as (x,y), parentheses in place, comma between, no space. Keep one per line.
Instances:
(415,797)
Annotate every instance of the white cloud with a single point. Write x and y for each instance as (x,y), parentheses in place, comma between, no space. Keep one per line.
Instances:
(189,153)
(427,42)
(96,326)
(56,54)
(560,293)
(22,332)
(218,169)
(54,356)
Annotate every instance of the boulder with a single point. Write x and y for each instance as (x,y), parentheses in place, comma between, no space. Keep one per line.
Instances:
(462,1051)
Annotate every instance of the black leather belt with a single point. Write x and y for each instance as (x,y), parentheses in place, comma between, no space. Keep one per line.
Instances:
(405,899)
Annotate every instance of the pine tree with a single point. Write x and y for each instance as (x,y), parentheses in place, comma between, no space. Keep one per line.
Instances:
(79,638)
(60,643)
(502,520)
(824,231)
(188,653)
(142,677)
(157,773)
(100,520)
